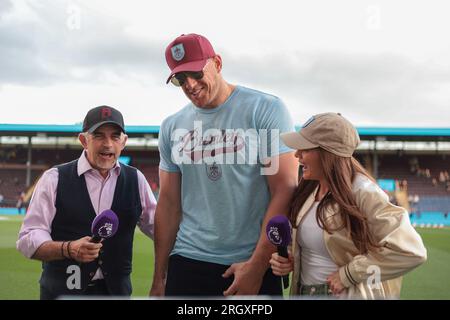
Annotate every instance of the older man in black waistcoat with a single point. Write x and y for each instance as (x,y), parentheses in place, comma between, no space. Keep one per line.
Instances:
(67,198)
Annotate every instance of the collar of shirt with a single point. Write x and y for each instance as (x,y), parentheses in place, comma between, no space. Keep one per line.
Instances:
(84,166)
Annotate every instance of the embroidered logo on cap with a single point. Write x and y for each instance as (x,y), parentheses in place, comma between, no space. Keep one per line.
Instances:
(105,113)
(177,52)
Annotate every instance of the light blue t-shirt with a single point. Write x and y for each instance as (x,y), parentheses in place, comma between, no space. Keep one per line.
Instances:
(220,154)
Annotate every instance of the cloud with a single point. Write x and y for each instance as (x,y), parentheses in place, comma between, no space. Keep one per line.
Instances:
(50,43)
(5,7)
(43,49)
(18,60)
(372,88)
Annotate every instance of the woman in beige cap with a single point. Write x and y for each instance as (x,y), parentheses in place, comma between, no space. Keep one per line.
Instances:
(348,239)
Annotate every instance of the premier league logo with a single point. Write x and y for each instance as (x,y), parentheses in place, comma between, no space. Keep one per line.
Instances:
(214,172)
(274,235)
(105,230)
(177,52)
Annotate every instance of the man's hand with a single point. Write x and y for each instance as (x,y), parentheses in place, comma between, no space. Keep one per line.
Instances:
(247,279)
(335,284)
(158,288)
(82,250)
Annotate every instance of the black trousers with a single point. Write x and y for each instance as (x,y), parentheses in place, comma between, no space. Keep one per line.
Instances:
(97,288)
(94,288)
(188,277)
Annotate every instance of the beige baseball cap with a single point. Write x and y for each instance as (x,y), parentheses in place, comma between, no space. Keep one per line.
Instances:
(330,131)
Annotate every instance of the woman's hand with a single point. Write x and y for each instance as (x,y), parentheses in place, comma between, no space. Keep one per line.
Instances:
(335,284)
(281,266)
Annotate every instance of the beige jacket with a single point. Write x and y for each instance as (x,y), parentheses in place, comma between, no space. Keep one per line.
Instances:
(402,248)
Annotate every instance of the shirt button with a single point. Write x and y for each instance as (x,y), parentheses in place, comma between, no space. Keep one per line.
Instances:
(100,262)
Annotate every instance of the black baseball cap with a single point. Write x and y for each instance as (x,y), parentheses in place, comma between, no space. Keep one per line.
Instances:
(99,116)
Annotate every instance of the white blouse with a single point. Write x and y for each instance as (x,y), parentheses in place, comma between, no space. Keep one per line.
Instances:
(316,263)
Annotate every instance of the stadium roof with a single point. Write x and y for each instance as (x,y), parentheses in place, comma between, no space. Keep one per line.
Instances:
(404,134)
(366,133)
(66,130)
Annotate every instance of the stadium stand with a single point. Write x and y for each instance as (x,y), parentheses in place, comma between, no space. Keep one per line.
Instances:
(13,182)
(418,176)
(13,169)
(417,180)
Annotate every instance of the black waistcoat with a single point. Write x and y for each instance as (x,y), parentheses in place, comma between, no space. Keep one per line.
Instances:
(74,215)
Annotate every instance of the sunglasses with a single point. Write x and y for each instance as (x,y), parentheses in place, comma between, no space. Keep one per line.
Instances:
(180,78)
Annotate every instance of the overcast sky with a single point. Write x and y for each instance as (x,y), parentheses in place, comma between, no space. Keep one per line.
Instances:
(379,63)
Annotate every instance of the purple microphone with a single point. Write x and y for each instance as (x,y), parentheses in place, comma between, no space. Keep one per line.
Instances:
(279,233)
(104,226)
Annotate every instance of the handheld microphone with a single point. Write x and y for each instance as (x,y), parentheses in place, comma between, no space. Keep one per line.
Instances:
(104,226)
(279,233)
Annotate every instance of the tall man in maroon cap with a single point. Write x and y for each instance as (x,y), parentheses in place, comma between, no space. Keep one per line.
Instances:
(67,198)
(224,173)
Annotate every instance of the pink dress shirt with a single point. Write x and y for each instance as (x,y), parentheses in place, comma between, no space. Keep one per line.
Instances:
(36,227)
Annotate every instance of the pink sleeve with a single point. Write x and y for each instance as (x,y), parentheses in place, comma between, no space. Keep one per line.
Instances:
(148,202)
(36,227)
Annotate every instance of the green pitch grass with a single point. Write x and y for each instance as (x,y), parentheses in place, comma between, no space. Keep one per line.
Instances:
(19,276)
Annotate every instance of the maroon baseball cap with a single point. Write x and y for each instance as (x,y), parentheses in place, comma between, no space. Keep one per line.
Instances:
(188,52)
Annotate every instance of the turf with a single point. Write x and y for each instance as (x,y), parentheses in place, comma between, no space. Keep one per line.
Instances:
(19,276)
(432,279)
